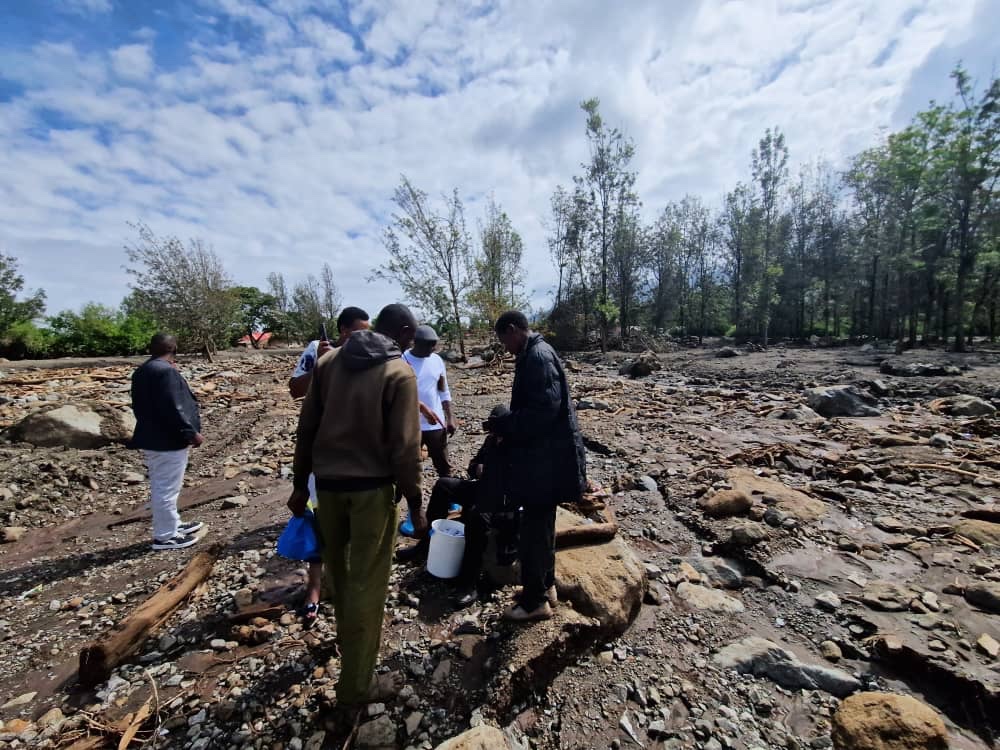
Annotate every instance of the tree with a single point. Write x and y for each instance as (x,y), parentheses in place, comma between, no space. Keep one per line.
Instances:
(606,178)
(256,310)
(429,255)
(740,225)
(13,311)
(185,289)
(330,300)
(99,331)
(307,312)
(769,166)
(498,266)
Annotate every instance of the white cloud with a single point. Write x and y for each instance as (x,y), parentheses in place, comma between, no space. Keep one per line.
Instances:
(132,61)
(280,145)
(86,7)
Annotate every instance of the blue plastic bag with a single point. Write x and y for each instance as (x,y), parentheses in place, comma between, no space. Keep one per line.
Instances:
(299,540)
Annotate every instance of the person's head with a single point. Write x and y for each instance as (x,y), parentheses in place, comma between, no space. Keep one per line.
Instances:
(512,330)
(162,345)
(497,412)
(425,339)
(351,319)
(397,322)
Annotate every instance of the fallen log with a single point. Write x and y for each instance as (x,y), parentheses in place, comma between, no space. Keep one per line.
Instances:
(585,534)
(98,659)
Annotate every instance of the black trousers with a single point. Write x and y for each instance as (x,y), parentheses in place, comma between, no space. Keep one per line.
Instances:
(538,553)
(437,448)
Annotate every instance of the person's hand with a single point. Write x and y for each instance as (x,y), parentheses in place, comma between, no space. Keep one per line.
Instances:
(451,427)
(197,440)
(419,520)
(298,501)
(429,414)
(324,347)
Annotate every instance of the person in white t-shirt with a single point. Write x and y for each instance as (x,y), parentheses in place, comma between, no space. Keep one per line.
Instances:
(432,390)
(351,319)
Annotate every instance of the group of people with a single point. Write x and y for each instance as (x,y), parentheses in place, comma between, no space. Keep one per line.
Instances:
(371,400)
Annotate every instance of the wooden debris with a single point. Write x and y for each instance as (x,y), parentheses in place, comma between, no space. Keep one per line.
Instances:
(98,659)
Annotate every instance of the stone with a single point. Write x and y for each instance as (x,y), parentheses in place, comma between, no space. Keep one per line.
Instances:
(712,600)
(887,596)
(861,473)
(841,401)
(830,651)
(83,425)
(218,644)
(9,534)
(483,737)
(441,672)
(243,597)
(983,533)
(689,573)
(412,723)
(777,495)
(21,700)
(764,658)
(889,524)
(988,645)
(916,369)
(51,718)
(603,581)
(728,352)
(801,413)
(985,595)
(236,501)
(887,721)
(378,733)
(721,572)
(645,364)
(940,440)
(646,483)
(828,601)
(965,406)
(725,503)
(747,534)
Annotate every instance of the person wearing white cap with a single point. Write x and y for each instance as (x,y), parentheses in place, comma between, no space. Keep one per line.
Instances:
(432,389)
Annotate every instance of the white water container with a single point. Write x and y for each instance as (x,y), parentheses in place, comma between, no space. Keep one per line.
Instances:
(444,558)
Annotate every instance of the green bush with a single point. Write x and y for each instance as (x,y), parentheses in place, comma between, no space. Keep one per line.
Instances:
(25,340)
(98,331)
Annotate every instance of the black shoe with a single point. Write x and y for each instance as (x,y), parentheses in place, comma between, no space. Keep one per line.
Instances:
(178,541)
(413,553)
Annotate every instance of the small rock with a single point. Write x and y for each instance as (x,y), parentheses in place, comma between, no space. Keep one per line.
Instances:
(52,717)
(712,600)
(133,477)
(748,534)
(985,595)
(646,483)
(218,644)
(236,501)
(940,440)
(725,503)
(21,700)
(988,645)
(861,473)
(828,601)
(243,598)
(379,733)
(9,534)
(830,651)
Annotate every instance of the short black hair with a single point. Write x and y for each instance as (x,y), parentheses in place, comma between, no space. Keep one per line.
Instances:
(392,318)
(349,315)
(511,318)
(162,343)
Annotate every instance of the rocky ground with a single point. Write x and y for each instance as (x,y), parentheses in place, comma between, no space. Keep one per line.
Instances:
(786,558)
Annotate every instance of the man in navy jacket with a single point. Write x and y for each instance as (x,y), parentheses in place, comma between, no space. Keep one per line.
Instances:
(167,426)
(548,463)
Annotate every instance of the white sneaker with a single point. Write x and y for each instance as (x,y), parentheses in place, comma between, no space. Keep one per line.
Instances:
(177,541)
(190,527)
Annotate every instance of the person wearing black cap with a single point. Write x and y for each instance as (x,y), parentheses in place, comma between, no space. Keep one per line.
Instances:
(432,388)
(483,497)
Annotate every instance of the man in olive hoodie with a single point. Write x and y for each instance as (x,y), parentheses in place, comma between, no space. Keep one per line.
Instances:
(359,434)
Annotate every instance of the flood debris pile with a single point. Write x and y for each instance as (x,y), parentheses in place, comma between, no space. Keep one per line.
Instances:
(807,555)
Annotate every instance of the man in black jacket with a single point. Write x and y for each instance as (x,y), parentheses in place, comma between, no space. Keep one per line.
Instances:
(483,497)
(547,459)
(167,426)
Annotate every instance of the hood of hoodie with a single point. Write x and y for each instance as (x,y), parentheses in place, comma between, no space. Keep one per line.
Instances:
(365,349)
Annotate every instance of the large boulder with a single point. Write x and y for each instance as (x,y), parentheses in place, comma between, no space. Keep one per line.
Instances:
(643,365)
(841,401)
(603,581)
(483,737)
(887,721)
(763,658)
(964,406)
(983,533)
(985,595)
(916,369)
(777,495)
(83,425)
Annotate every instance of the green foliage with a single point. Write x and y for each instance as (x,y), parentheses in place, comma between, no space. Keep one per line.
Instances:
(97,331)
(26,340)
(12,310)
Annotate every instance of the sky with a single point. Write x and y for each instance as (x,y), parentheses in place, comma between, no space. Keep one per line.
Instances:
(276,131)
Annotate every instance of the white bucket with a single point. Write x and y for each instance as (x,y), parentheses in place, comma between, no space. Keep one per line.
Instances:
(444,559)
